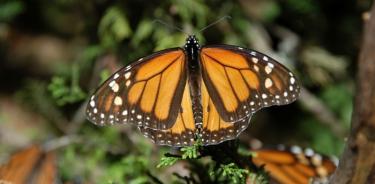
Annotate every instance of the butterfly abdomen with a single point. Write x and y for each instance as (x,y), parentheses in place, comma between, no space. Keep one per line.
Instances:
(192,51)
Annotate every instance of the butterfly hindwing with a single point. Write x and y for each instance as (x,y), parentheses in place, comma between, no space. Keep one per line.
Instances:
(242,81)
(215,129)
(182,133)
(147,93)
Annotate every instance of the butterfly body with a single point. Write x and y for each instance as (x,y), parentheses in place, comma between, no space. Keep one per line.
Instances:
(178,95)
(192,48)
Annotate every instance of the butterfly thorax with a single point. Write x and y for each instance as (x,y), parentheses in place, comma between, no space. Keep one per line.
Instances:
(192,49)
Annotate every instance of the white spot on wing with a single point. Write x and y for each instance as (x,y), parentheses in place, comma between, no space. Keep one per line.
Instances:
(265,58)
(116,76)
(256,68)
(268,69)
(292,80)
(270,65)
(296,149)
(309,152)
(92,103)
(127,75)
(268,83)
(112,83)
(115,87)
(127,83)
(118,100)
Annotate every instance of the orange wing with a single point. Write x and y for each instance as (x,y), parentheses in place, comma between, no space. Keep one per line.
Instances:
(48,170)
(242,81)
(29,166)
(147,93)
(20,166)
(215,129)
(183,129)
(294,166)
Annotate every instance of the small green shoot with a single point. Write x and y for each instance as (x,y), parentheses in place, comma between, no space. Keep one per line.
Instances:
(64,94)
(167,161)
(233,172)
(190,152)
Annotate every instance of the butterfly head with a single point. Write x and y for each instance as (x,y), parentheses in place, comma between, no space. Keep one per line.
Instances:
(191,42)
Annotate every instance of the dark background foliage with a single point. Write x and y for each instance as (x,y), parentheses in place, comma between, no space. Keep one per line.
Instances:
(54,53)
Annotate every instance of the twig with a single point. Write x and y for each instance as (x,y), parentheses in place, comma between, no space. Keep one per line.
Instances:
(61,142)
(153,178)
(357,162)
(185,178)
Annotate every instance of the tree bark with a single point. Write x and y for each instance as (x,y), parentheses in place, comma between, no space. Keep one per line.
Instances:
(357,162)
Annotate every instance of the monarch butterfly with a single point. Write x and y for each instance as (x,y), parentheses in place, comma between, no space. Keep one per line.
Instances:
(30,165)
(178,95)
(293,165)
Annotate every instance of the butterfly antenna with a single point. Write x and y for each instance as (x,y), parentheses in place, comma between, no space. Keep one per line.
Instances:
(169,26)
(215,22)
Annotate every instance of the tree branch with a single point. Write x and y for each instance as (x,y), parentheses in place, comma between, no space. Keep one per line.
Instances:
(357,162)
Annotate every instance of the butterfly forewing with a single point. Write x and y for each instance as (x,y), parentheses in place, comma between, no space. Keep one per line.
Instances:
(241,81)
(147,93)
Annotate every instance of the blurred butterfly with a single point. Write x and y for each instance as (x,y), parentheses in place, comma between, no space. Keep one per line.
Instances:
(178,95)
(294,165)
(31,165)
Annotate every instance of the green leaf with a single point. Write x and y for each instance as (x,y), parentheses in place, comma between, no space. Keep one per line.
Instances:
(104,75)
(8,10)
(191,152)
(167,161)
(245,152)
(143,31)
(234,173)
(113,27)
(62,92)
